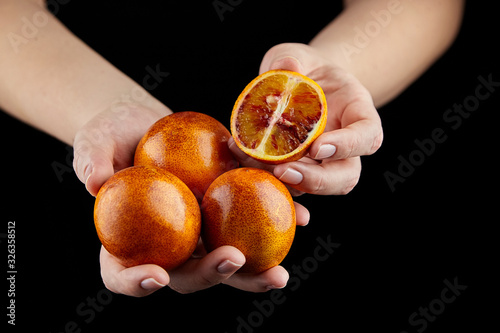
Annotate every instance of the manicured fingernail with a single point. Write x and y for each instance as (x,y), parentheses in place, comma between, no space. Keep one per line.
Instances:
(325,151)
(272,286)
(151,284)
(291,176)
(227,267)
(287,62)
(87,182)
(87,173)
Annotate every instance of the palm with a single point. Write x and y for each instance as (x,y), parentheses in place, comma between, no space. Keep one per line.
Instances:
(106,144)
(345,96)
(353,126)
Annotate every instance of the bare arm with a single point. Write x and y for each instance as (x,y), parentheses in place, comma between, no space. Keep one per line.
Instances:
(51,79)
(363,59)
(387,44)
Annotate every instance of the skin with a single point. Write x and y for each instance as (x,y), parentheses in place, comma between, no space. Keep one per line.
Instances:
(84,113)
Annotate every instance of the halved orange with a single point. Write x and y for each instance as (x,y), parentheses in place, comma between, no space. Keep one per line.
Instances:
(278,116)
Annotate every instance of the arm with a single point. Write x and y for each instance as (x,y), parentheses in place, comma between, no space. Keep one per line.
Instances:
(364,58)
(51,79)
(396,40)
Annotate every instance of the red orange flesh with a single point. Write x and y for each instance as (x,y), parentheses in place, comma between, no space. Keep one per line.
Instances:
(278,116)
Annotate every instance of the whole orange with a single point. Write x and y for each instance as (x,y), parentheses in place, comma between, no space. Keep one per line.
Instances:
(253,211)
(146,215)
(191,145)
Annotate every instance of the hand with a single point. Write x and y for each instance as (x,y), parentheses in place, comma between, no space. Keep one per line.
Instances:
(201,271)
(105,145)
(353,128)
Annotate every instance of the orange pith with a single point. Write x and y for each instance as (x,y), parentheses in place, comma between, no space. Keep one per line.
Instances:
(278,115)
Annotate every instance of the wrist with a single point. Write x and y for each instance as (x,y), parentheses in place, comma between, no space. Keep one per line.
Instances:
(124,108)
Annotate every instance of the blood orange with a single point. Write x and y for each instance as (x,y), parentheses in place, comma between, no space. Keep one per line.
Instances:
(191,145)
(146,215)
(253,211)
(278,115)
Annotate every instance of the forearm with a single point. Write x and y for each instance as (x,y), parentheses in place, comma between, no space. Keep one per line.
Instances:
(387,44)
(54,81)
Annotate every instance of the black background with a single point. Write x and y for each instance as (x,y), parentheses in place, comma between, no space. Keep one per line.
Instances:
(396,247)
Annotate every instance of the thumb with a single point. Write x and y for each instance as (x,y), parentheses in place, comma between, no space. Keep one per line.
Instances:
(283,56)
(93,164)
(286,62)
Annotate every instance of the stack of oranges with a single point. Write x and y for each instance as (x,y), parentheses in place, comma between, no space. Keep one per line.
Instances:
(185,183)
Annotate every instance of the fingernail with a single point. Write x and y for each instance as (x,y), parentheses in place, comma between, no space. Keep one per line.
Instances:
(291,176)
(151,284)
(288,62)
(272,286)
(87,173)
(86,185)
(325,151)
(227,267)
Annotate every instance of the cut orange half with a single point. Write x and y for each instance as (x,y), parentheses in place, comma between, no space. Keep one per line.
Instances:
(278,116)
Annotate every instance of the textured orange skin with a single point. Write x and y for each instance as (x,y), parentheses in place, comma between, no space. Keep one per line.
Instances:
(253,211)
(145,215)
(191,145)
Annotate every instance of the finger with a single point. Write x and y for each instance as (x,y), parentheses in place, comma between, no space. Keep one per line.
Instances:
(214,268)
(286,62)
(135,281)
(273,278)
(107,143)
(360,138)
(92,164)
(330,177)
(245,160)
(302,214)
(291,56)
(358,129)
(294,192)
(200,251)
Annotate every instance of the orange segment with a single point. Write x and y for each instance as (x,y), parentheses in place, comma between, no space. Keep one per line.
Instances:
(278,115)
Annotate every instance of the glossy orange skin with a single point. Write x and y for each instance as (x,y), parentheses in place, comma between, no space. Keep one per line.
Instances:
(191,145)
(145,215)
(253,211)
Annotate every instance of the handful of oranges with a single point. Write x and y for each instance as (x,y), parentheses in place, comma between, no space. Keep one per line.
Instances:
(185,181)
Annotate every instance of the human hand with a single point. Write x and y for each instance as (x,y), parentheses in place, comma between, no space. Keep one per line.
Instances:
(353,129)
(200,272)
(105,145)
